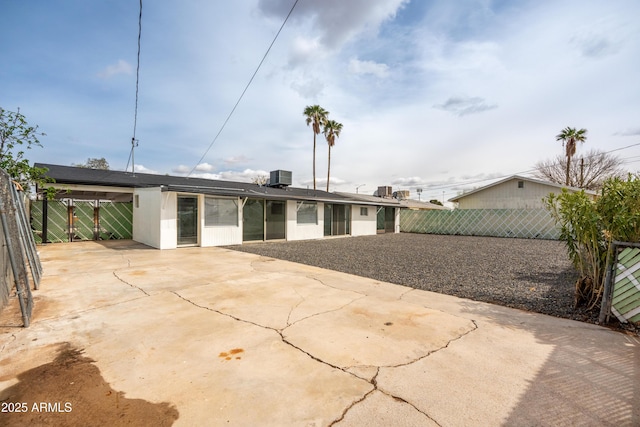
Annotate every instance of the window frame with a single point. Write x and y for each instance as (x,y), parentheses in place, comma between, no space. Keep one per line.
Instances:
(313,215)
(217,221)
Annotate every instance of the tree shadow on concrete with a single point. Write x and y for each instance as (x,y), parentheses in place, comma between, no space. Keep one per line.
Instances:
(70,391)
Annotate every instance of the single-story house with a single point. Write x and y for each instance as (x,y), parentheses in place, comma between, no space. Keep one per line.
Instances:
(422,206)
(387,212)
(171,211)
(514,192)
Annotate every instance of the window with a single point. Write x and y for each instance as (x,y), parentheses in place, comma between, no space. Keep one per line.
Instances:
(364,211)
(137,200)
(307,212)
(220,212)
(520,184)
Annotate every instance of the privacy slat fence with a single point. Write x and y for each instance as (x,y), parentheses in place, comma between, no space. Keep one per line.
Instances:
(76,220)
(523,223)
(623,294)
(18,257)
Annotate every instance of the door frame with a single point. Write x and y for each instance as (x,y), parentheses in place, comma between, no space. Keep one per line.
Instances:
(197,220)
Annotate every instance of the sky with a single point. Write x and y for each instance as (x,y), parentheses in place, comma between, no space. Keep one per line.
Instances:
(432,94)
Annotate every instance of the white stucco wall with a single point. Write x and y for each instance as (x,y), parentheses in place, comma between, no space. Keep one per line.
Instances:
(507,195)
(169,220)
(146,216)
(297,231)
(363,225)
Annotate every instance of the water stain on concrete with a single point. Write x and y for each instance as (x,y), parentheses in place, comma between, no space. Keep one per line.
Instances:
(70,391)
(231,353)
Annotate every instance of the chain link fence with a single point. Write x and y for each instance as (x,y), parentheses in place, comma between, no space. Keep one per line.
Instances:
(522,223)
(19,258)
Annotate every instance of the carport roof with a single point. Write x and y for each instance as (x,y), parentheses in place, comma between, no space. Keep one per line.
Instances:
(71,175)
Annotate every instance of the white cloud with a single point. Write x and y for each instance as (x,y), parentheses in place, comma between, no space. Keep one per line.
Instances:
(408,182)
(236,159)
(368,67)
(142,169)
(181,169)
(335,21)
(204,167)
(304,50)
(462,106)
(629,132)
(246,175)
(120,67)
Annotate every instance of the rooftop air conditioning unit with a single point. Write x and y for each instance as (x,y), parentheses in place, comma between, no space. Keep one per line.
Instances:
(384,191)
(280,178)
(401,194)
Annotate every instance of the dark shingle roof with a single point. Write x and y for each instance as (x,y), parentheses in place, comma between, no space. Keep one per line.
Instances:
(110,178)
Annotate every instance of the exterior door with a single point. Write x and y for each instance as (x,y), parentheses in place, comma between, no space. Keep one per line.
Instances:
(253,220)
(263,220)
(275,220)
(337,220)
(187,220)
(389,220)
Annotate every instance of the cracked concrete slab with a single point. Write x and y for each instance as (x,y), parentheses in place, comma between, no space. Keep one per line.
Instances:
(376,332)
(379,409)
(273,300)
(232,338)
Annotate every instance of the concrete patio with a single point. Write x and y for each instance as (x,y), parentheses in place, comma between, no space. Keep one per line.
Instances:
(221,337)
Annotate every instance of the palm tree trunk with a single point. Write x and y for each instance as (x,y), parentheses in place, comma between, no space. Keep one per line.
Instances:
(329,169)
(567,171)
(314,160)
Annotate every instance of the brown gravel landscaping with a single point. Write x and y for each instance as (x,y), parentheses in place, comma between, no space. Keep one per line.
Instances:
(533,275)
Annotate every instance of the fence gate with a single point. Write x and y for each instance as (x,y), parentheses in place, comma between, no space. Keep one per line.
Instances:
(77,220)
(622,293)
(82,221)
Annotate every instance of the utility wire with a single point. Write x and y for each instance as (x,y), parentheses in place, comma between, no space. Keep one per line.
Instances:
(245,89)
(134,141)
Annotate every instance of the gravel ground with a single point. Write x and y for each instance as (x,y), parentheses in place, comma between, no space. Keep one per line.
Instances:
(533,275)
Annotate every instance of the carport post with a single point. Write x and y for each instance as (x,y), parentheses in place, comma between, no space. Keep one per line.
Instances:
(45,219)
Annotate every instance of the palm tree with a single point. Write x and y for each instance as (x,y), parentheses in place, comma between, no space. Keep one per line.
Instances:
(317,116)
(332,131)
(570,138)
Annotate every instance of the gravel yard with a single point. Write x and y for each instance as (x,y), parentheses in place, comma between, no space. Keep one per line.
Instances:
(534,275)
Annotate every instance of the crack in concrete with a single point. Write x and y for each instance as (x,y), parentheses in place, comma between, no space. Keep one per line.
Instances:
(334,287)
(323,312)
(475,328)
(278,331)
(348,408)
(8,342)
(130,284)
(302,299)
(373,381)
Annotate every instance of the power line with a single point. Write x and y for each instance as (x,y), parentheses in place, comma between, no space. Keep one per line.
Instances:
(134,141)
(246,87)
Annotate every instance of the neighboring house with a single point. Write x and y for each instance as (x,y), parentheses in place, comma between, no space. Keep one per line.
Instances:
(422,206)
(514,192)
(171,211)
(387,210)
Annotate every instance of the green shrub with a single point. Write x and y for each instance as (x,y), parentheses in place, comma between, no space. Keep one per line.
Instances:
(589,227)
